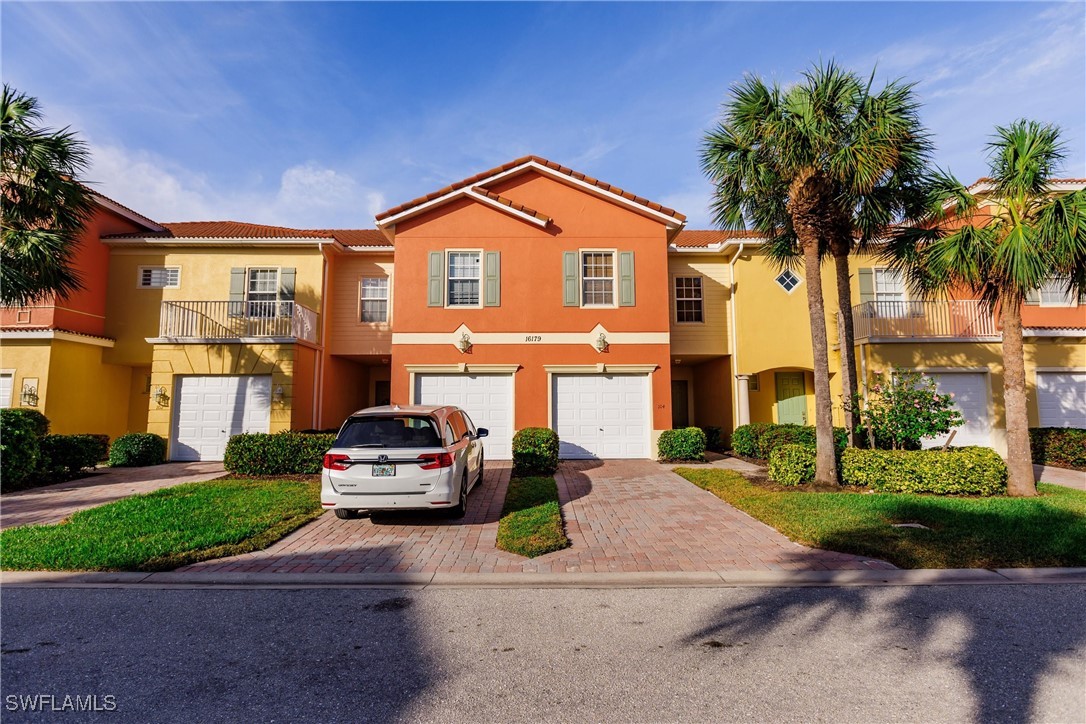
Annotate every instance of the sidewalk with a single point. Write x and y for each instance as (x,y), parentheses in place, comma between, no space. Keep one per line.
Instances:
(1060,476)
(54,503)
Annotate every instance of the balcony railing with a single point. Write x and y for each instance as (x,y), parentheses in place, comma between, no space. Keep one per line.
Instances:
(235,320)
(946,319)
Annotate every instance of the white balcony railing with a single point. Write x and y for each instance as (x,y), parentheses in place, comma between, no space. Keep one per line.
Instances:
(234,320)
(945,319)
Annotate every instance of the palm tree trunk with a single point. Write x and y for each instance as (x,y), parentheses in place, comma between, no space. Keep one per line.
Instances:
(1020,479)
(825,458)
(849,384)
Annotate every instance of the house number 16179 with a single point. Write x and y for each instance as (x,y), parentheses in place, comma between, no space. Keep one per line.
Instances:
(533,338)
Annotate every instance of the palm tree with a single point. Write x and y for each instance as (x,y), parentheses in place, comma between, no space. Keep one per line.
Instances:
(1030,237)
(44,205)
(817,168)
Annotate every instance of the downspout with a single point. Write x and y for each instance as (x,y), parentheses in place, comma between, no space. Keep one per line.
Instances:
(734,347)
(318,397)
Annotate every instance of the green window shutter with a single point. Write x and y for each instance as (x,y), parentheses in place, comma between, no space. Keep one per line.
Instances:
(625,279)
(236,307)
(493,292)
(867,285)
(436,280)
(1033,297)
(571,296)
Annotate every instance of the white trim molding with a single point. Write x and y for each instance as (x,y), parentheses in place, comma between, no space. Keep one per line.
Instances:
(57,334)
(1054,332)
(601,369)
(531,338)
(463,368)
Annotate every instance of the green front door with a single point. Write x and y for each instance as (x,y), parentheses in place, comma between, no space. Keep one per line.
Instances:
(791,398)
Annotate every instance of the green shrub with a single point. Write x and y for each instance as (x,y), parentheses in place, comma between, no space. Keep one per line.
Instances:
(535,451)
(68,454)
(103,441)
(745,438)
(792,464)
(714,438)
(281,453)
(137,449)
(962,471)
(687,443)
(19,448)
(38,421)
(1063,447)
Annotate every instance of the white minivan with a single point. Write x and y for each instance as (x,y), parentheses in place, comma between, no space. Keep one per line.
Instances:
(403,458)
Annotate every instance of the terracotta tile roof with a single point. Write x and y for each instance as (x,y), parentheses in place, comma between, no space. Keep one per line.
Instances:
(226,230)
(151,223)
(988,180)
(474,180)
(703,238)
(510,203)
(359,237)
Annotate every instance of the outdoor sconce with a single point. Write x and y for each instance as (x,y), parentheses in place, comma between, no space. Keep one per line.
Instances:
(277,395)
(464,345)
(29,396)
(601,343)
(161,398)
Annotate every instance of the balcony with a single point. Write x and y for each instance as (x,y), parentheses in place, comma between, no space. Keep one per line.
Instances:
(224,321)
(953,319)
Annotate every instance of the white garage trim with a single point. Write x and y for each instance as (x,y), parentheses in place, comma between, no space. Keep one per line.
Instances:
(1061,420)
(643,372)
(209,409)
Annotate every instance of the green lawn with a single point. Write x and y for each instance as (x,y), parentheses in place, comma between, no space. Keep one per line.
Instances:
(531,522)
(1049,530)
(165,529)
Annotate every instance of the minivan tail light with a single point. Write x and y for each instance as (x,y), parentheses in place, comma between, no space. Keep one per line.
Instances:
(433,461)
(336,461)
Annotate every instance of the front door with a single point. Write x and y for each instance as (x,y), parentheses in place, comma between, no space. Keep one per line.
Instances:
(680,404)
(791,398)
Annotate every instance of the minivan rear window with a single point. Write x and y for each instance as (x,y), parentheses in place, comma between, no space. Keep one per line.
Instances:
(392,431)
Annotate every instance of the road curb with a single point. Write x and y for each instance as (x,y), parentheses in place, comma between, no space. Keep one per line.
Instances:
(707,579)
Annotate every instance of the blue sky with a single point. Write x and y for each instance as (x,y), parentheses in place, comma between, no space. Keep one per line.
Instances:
(321,114)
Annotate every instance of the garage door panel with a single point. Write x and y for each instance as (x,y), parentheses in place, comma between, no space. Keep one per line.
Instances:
(601,416)
(970,393)
(488,400)
(210,409)
(1061,399)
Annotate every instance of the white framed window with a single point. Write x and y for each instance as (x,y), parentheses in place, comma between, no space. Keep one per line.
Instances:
(597,278)
(689,303)
(463,282)
(788,280)
(889,286)
(7,387)
(262,291)
(753,385)
(1054,293)
(159,277)
(374,297)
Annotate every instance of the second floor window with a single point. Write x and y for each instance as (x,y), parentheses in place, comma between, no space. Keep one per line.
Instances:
(889,286)
(688,300)
(375,299)
(160,277)
(598,278)
(262,293)
(463,282)
(1054,293)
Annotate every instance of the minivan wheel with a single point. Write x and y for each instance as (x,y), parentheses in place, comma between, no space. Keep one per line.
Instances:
(461,506)
(346,513)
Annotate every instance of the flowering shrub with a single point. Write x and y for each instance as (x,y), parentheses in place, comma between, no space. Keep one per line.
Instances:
(905,408)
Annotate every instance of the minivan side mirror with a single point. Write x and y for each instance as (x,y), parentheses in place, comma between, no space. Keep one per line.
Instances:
(482,432)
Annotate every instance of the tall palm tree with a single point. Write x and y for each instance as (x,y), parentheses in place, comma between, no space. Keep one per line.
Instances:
(817,168)
(1030,237)
(44,205)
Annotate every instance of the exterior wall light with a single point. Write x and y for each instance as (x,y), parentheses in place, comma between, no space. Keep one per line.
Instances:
(29,395)
(162,399)
(277,395)
(464,345)
(601,344)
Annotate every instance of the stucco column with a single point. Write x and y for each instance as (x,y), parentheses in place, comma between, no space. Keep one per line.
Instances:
(742,398)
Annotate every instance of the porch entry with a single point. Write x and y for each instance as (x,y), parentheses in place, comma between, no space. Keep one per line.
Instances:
(791,398)
(680,404)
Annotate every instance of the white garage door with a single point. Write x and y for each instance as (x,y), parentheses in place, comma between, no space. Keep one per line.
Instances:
(602,416)
(1061,399)
(7,382)
(488,400)
(208,410)
(970,390)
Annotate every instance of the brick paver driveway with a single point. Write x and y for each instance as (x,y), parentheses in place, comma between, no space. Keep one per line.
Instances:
(53,503)
(621,515)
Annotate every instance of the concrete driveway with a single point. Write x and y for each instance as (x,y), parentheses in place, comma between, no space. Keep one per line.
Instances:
(54,503)
(621,516)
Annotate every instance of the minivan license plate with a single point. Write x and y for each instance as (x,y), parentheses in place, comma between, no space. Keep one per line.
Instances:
(384,470)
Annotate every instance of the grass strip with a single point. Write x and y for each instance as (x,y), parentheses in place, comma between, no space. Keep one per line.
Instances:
(531,522)
(165,529)
(962,532)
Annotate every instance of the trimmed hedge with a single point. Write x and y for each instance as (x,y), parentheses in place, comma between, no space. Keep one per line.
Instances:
(19,448)
(68,454)
(137,449)
(792,464)
(962,471)
(745,438)
(687,443)
(38,421)
(280,453)
(535,451)
(1063,447)
(760,439)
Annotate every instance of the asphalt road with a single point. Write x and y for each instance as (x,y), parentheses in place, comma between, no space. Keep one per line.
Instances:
(921,653)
